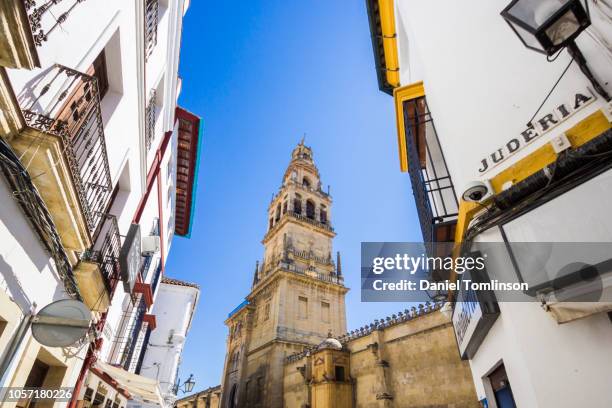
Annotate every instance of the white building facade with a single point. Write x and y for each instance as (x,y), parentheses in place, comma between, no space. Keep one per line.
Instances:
(174,307)
(92,145)
(476,108)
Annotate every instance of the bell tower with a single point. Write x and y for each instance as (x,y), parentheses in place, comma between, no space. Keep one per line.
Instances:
(297,294)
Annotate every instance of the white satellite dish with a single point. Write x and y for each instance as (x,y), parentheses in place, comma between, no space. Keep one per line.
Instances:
(61,323)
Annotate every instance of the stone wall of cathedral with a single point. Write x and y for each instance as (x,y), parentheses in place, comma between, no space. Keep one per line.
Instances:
(407,361)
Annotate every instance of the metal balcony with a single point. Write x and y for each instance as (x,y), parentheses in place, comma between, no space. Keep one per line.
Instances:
(27,25)
(99,266)
(151,21)
(150,120)
(432,186)
(65,151)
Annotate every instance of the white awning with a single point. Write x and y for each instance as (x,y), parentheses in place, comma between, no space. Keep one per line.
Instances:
(140,387)
(565,312)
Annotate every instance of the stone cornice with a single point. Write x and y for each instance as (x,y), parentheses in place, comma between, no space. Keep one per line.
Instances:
(280,272)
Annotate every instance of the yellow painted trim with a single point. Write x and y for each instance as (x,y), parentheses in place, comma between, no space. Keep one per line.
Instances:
(400,95)
(588,129)
(387,25)
(467,211)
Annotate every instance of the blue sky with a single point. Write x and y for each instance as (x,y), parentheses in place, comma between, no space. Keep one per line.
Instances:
(261,74)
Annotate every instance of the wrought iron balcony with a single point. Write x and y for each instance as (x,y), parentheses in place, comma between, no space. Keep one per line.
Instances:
(47,16)
(105,251)
(150,119)
(64,106)
(151,21)
(434,193)
(99,265)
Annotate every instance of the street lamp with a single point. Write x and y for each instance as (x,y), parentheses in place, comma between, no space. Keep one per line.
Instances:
(186,387)
(546,26)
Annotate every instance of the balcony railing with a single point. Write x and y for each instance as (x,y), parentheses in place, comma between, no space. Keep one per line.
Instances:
(47,16)
(151,21)
(150,118)
(434,193)
(65,103)
(106,249)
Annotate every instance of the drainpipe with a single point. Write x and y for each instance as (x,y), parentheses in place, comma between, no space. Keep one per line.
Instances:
(13,347)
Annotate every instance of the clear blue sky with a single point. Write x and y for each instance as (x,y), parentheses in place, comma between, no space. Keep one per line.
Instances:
(260,74)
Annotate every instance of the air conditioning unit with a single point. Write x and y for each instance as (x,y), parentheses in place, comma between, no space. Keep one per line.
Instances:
(150,244)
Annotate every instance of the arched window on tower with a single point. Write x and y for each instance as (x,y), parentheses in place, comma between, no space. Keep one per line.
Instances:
(323,214)
(271,223)
(310,209)
(284,206)
(306,182)
(297,204)
(278,212)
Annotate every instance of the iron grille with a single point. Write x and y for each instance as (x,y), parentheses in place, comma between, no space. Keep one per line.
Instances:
(34,207)
(140,349)
(151,20)
(47,16)
(132,334)
(434,193)
(66,103)
(106,249)
(150,114)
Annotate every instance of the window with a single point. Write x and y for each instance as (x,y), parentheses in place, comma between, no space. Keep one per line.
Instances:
(310,209)
(267,311)
(259,389)
(500,385)
(302,307)
(297,204)
(421,154)
(169,170)
(271,223)
(150,118)
(88,394)
(98,71)
(323,214)
(285,207)
(325,312)
(339,373)
(306,182)
(278,212)
(151,19)
(234,360)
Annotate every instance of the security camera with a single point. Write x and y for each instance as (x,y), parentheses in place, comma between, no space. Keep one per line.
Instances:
(477,191)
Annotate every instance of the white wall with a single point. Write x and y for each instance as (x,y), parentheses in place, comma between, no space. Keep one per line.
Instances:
(174,308)
(482,84)
(482,87)
(117,26)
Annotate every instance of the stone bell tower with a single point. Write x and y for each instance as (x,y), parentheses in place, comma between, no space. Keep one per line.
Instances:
(297,297)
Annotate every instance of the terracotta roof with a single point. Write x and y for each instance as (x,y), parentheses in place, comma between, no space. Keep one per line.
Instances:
(171,281)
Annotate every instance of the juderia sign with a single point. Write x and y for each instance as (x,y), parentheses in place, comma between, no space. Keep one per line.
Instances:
(539,127)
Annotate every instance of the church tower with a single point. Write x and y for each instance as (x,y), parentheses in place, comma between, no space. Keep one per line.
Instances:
(297,294)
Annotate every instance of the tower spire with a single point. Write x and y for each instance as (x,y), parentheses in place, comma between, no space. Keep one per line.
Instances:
(338,264)
(256,275)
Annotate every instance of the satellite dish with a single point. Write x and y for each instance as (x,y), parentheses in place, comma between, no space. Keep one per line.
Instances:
(61,323)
